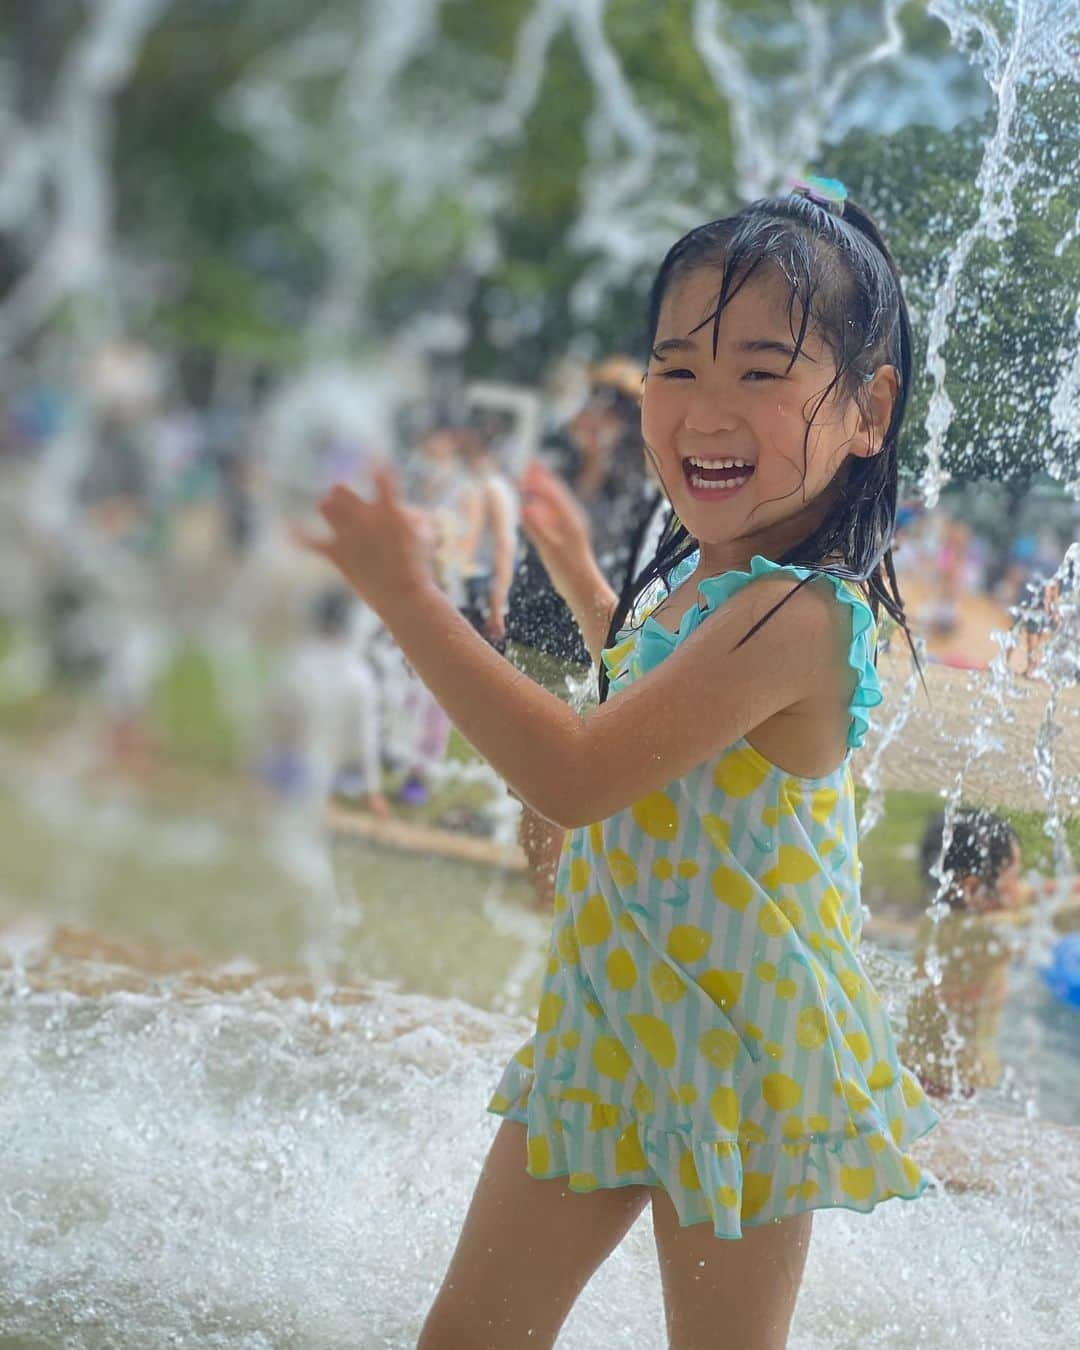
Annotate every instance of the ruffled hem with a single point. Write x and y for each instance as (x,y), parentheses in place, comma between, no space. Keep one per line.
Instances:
(715,591)
(732,1182)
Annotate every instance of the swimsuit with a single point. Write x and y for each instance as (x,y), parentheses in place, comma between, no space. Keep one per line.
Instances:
(705,1024)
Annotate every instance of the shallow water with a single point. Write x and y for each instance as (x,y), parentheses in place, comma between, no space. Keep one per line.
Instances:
(211,1158)
(189,1168)
(220,887)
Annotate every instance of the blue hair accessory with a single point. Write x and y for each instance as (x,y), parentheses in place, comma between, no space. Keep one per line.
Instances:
(827,192)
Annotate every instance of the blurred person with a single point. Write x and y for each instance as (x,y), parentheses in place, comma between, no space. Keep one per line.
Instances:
(435,485)
(1039,620)
(122,383)
(488,544)
(611,476)
(325,713)
(1018,569)
(962,957)
(950,575)
(598,452)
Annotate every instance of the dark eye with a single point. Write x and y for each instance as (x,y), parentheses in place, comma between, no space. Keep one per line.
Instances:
(761,375)
(677,374)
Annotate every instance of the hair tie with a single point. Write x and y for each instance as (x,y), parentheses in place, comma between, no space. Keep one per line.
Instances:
(828,193)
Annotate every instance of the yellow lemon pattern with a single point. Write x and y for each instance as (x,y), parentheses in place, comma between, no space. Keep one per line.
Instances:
(623,867)
(621,970)
(667,984)
(705,1024)
(656,816)
(732,888)
(740,772)
(687,944)
(593,923)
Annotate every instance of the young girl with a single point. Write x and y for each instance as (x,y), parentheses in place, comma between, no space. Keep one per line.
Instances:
(707,1041)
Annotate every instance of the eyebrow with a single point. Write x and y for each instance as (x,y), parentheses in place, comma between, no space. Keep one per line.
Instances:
(751,345)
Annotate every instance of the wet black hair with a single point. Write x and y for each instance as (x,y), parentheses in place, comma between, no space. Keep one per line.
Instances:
(844,282)
(981,846)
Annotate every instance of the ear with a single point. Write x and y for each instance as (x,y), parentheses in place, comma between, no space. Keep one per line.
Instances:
(879,398)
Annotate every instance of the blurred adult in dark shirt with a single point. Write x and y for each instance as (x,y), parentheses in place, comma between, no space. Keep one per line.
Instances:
(600,454)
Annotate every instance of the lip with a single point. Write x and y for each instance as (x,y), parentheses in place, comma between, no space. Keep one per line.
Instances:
(712,494)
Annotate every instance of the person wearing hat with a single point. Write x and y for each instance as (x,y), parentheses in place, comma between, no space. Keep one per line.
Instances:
(599,453)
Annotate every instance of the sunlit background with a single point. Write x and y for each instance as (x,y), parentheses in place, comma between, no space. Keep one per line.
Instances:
(260,965)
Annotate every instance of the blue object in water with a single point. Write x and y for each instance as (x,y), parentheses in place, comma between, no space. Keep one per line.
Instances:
(1062,975)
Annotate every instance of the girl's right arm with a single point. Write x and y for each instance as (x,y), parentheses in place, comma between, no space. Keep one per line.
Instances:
(558,529)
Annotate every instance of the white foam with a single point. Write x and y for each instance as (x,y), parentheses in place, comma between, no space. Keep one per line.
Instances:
(250,1171)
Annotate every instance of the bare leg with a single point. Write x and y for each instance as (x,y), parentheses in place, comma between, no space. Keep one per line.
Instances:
(542,842)
(747,1287)
(526,1251)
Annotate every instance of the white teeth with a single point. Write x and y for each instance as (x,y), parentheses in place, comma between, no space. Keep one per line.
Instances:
(711,484)
(719,463)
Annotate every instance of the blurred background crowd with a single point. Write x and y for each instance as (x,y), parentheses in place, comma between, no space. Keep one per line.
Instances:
(190,494)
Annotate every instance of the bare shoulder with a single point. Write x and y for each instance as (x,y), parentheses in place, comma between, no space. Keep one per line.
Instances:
(810,737)
(805,610)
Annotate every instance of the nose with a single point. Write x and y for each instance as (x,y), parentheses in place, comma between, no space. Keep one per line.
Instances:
(707,413)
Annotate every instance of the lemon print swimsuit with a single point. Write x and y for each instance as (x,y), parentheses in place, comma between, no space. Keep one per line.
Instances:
(705,1024)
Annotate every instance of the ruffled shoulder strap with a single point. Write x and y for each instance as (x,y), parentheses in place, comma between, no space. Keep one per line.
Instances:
(716,591)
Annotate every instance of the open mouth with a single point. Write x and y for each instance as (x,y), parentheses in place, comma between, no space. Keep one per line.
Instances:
(716,475)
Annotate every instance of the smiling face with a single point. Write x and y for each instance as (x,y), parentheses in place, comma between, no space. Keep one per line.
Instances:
(728,433)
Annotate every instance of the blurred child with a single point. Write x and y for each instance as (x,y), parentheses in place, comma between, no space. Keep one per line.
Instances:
(327,713)
(962,959)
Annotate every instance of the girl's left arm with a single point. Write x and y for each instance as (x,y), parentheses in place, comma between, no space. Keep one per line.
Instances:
(573,770)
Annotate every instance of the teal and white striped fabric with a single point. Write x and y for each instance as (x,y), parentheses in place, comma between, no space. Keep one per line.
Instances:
(705,1024)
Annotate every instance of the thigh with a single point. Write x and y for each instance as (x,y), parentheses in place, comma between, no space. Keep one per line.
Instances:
(728,1293)
(526,1251)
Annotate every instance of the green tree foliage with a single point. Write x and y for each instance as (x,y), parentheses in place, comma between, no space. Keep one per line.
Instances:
(1014,325)
(237,231)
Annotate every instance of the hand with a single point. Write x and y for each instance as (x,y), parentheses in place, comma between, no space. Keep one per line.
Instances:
(382,548)
(554,522)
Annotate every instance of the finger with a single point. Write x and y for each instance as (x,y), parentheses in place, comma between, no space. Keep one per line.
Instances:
(533,470)
(539,503)
(536,476)
(386,489)
(551,489)
(533,522)
(538,480)
(340,505)
(313,543)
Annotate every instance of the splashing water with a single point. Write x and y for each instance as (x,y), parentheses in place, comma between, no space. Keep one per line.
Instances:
(188,1166)
(216,1157)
